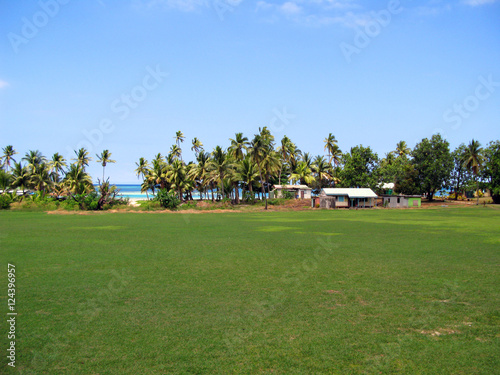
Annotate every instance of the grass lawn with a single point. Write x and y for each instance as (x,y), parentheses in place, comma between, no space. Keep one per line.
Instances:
(309,292)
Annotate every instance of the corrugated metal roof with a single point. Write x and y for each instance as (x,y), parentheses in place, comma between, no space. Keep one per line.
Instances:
(305,187)
(351,192)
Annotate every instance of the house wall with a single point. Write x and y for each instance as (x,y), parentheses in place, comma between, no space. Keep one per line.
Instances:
(414,202)
(403,202)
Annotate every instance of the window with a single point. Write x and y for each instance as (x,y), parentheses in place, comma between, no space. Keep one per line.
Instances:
(340,198)
(399,200)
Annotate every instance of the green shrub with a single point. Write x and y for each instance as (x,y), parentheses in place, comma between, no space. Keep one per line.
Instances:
(249,197)
(276,201)
(287,194)
(167,199)
(188,205)
(5,201)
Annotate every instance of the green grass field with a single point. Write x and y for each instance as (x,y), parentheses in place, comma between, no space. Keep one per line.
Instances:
(313,292)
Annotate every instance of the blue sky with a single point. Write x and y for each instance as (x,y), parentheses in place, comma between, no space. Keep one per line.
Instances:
(126,75)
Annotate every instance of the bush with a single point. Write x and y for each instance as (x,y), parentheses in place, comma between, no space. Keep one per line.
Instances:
(5,202)
(287,194)
(249,197)
(167,199)
(276,201)
(188,205)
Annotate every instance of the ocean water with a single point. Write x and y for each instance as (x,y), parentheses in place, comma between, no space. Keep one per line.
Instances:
(134,191)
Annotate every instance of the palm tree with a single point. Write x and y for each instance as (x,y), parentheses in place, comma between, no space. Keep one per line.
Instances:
(285,151)
(199,173)
(175,153)
(307,159)
(322,170)
(330,143)
(474,160)
(40,178)
(402,150)
(104,159)
(20,177)
(197,146)
(142,170)
(179,138)
(34,158)
(336,155)
(219,165)
(259,148)
(248,173)
(270,165)
(238,146)
(303,174)
(8,153)
(77,180)
(177,176)
(57,165)
(82,158)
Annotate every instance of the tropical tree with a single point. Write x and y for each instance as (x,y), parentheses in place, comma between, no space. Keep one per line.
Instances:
(330,143)
(270,165)
(285,152)
(77,181)
(433,163)
(141,171)
(360,168)
(322,171)
(33,158)
(197,146)
(179,138)
(199,172)
(474,161)
(40,178)
(491,170)
(248,173)
(238,147)
(82,158)
(402,150)
(260,146)
(177,174)
(460,176)
(104,159)
(8,153)
(57,165)
(219,165)
(20,177)
(303,174)
(175,153)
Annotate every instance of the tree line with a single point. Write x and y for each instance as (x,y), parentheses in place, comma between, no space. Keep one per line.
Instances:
(255,165)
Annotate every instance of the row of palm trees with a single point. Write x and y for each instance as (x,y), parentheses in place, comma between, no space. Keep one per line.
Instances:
(253,165)
(50,176)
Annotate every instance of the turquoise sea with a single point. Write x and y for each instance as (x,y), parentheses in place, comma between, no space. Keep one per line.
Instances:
(133,191)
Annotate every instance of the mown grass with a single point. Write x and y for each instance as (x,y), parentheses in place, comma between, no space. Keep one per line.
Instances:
(309,292)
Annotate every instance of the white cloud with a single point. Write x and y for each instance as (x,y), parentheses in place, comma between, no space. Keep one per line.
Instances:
(3,84)
(290,8)
(475,3)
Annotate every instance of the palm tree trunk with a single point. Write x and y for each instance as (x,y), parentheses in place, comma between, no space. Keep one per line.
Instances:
(262,184)
(477,190)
